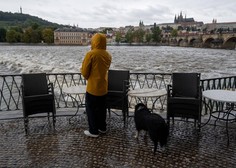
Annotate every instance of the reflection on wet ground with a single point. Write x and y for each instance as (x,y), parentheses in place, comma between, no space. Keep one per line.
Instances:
(67,146)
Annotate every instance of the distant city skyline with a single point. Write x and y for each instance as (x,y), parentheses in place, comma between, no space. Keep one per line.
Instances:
(104,13)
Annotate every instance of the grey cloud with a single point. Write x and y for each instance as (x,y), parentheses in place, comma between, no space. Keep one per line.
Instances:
(96,13)
(116,15)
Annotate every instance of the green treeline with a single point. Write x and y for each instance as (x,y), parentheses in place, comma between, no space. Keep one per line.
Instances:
(31,34)
(18,27)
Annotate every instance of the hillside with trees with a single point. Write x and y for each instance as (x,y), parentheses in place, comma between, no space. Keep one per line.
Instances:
(24,28)
(8,19)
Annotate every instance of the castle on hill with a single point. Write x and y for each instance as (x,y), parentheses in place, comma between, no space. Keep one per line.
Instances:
(181,19)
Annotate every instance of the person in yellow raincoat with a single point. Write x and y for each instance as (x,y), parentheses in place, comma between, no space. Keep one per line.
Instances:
(94,69)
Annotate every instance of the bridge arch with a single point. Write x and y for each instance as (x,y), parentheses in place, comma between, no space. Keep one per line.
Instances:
(179,41)
(191,40)
(230,43)
(195,42)
(207,42)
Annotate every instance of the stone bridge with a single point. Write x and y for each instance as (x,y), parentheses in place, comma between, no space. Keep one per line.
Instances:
(226,40)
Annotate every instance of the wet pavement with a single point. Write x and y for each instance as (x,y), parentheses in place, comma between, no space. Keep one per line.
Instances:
(67,146)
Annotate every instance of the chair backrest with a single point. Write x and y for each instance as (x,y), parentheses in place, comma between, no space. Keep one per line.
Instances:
(116,79)
(185,84)
(34,84)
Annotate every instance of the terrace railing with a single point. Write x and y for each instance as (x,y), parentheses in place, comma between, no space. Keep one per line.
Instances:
(227,83)
(10,88)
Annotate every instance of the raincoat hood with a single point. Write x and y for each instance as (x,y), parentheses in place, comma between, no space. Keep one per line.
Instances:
(99,41)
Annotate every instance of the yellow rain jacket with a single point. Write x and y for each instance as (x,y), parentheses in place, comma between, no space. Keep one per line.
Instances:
(95,66)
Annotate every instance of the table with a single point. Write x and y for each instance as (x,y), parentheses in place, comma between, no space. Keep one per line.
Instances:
(222,96)
(144,94)
(75,92)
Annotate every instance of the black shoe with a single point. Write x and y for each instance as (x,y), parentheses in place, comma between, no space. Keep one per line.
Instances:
(101,131)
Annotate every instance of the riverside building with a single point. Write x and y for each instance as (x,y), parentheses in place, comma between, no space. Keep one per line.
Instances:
(72,36)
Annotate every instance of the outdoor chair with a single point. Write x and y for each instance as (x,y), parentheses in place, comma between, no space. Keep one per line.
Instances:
(37,97)
(118,87)
(184,97)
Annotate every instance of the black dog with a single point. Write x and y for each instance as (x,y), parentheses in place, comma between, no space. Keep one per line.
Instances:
(153,123)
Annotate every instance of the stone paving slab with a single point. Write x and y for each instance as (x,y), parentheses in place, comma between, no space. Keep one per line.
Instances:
(17,114)
(67,146)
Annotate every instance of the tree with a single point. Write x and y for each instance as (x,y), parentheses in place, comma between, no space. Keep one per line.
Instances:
(48,35)
(148,37)
(188,28)
(3,35)
(169,28)
(156,33)
(26,38)
(17,29)
(118,37)
(180,28)
(174,33)
(12,36)
(36,36)
(139,34)
(129,36)
(35,26)
(32,36)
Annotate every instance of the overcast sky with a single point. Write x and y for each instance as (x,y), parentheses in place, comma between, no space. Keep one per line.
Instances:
(120,13)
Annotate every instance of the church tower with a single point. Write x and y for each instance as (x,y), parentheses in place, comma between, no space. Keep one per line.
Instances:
(175,20)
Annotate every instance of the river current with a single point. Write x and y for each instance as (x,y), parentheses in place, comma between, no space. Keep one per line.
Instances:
(161,59)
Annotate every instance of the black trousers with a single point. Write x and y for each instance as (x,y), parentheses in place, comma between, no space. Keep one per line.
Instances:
(96,112)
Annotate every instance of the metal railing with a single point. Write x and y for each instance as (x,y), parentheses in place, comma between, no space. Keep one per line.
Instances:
(10,87)
(226,83)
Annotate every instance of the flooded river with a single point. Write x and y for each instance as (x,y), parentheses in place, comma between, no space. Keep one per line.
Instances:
(56,59)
